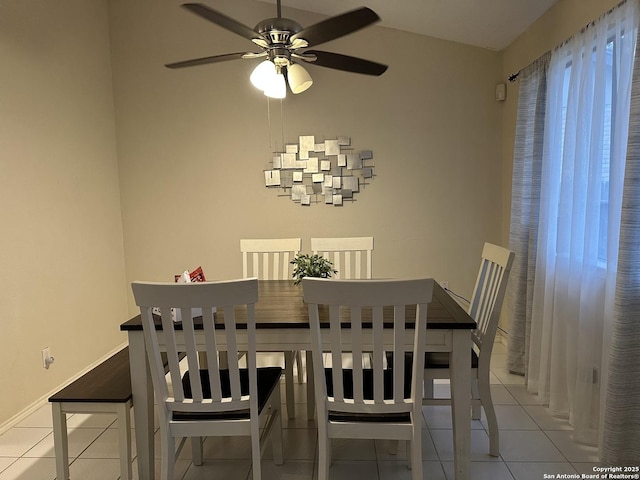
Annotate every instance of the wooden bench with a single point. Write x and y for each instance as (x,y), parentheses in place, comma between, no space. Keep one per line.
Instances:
(104,389)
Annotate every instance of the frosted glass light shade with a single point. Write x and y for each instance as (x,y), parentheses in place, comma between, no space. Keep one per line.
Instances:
(299,78)
(277,88)
(263,75)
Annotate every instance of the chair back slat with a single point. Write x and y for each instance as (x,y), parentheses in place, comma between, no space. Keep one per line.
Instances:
(172,352)
(213,365)
(276,263)
(378,352)
(154,353)
(356,353)
(335,258)
(232,351)
(488,293)
(268,258)
(346,306)
(398,353)
(178,339)
(252,364)
(189,334)
(346,254)
(336,351)
(349,271)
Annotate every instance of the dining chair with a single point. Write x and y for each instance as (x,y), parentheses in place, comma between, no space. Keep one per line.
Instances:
(346,254)
(351,256)
(347,317)
(269,259)
(208,400)
(484,308)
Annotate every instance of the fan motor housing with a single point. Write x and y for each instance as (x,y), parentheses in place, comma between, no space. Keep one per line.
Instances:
(278,30)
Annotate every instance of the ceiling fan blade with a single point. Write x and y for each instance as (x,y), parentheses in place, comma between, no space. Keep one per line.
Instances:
(222,20)
(207,60)
(337,26)
(346,63)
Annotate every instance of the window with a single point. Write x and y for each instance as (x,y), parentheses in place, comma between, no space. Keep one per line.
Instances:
(583,155)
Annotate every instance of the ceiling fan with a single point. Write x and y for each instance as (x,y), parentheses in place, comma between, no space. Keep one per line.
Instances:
(283,44)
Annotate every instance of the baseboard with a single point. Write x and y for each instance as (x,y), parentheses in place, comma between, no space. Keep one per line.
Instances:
(502,337)
(24,413)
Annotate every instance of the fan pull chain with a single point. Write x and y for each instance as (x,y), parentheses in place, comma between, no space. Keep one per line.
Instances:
(273,147)
(282,124)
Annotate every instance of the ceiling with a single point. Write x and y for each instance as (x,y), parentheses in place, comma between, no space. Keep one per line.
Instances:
(492,24)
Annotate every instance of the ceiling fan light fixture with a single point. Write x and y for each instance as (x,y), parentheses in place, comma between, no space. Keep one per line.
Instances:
(299,78)
(263,75)
(281,39)
(277,87)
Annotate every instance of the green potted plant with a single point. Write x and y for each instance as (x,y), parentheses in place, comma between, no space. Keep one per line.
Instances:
(311,266)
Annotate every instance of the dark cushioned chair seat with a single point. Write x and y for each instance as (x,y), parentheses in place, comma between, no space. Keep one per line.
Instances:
(268,379)
(347,385)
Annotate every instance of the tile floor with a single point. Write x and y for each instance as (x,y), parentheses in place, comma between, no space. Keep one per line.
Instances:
(533,443)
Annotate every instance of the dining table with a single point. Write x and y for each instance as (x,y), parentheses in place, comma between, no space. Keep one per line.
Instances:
(282,325)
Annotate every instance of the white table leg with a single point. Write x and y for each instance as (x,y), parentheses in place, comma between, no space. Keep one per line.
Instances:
(460,364)
(288,381)
(60,441)
(311,396)
(142,390)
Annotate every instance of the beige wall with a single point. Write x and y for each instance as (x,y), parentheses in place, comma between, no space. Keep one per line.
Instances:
(193,144)
(61,249)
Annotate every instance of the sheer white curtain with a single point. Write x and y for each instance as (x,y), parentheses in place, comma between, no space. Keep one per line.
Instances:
(585,143)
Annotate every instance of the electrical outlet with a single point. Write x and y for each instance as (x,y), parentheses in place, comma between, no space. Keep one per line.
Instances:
(47,358)
(445,285)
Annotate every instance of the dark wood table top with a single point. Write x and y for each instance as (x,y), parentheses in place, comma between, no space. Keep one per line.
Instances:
(280,306)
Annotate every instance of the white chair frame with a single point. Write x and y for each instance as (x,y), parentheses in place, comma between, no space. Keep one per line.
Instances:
(172,398)
(269,259)
(356,297)
(347,255)
(485,309)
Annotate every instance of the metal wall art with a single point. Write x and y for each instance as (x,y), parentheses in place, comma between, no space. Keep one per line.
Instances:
(329,172)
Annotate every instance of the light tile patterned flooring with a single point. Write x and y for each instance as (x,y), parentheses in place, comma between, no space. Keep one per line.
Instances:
(533,443)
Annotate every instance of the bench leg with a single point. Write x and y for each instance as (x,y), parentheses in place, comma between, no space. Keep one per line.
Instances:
(60,441)
(124,439)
